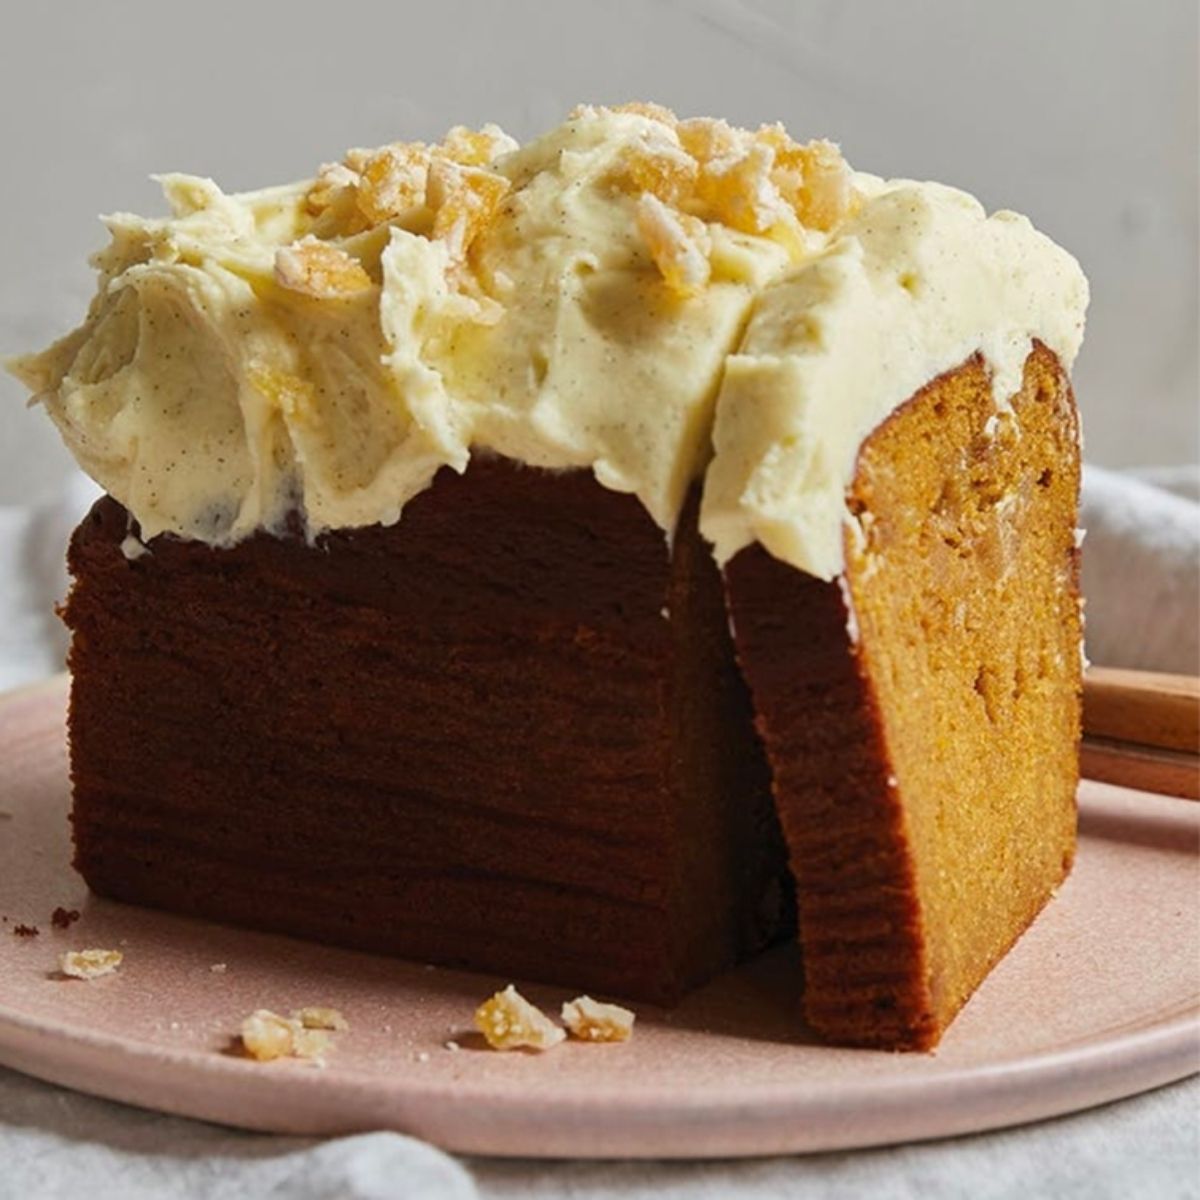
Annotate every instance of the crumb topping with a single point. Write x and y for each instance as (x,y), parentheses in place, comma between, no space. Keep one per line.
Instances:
(315,268)
(702,171)
(679,244)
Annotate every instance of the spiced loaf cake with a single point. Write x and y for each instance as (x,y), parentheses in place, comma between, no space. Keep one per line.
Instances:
(512,554)
(485,748)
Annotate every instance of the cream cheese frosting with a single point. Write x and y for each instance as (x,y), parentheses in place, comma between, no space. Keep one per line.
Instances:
(918,280)
(650,299)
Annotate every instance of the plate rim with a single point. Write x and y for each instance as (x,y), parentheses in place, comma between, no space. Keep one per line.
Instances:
(757,1121)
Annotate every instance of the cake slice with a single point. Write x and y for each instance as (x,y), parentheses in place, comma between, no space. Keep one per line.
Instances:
(921,712)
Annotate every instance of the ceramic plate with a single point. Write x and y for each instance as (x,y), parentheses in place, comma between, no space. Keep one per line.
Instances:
(1099,1000)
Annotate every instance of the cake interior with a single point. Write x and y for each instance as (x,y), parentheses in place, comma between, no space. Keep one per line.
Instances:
(925,762)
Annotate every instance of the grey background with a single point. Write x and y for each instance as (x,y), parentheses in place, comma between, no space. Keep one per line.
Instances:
(1081,113)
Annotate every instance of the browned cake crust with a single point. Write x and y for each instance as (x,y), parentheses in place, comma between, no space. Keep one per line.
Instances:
(473,738)
(925,774)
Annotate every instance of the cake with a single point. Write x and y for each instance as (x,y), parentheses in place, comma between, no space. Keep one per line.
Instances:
(493,753)
(923,757)
(574,561)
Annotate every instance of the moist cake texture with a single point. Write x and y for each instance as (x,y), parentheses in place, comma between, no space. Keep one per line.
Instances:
(921,714)
(443,489)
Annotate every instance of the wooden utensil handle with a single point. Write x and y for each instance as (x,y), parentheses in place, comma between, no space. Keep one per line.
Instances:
(1144,707)
(1146,768)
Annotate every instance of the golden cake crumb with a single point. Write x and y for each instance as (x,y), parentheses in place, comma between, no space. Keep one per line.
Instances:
(314,268)
(318,1017)
(310,1044)
(593,1021)
(509,1021)
(267,1035)
(90,964)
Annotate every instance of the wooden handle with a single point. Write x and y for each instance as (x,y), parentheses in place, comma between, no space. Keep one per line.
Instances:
(1143,707)
(1167,772)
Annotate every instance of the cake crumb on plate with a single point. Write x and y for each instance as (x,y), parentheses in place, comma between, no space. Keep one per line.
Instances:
(593,1021)
(63,918)
(508,1021)
(90,964)
(267,1035)
(319,1017)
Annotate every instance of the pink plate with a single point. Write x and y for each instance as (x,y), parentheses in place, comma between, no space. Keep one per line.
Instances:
(1101,999)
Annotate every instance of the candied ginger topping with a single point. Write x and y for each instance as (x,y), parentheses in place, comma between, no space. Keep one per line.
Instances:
(465,201)
(624,295)
(450,186)
(392,181)
(510,1022)
(678,243)
(662,169)
(477,148)
(707,171)
(317,269)
(645,108)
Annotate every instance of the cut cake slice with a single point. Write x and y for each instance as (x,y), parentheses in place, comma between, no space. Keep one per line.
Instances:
(921,713)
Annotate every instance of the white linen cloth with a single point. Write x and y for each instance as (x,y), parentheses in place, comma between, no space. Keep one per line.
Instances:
(1142,580)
